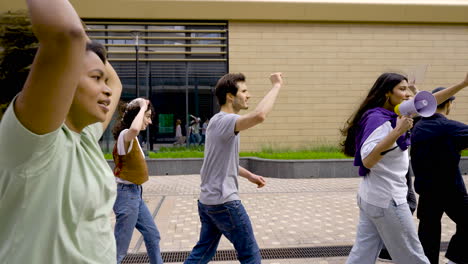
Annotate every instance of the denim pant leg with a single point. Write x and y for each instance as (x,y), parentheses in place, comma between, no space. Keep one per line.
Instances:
(126,209)
(145,224)
(197,138)
(241,235)
(398,231)
(368,243)
(208,242)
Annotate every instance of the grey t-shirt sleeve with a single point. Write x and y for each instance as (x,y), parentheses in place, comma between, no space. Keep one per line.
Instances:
(226,126)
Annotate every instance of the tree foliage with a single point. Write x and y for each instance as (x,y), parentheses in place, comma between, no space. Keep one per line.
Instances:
(18,46)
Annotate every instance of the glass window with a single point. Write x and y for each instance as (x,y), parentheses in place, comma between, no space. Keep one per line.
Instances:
(166,123)
(177,73)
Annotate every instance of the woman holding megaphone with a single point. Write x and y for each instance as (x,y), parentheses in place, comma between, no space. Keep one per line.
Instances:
(378,139)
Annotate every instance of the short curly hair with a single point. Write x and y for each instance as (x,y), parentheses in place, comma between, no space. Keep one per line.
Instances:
(128,112)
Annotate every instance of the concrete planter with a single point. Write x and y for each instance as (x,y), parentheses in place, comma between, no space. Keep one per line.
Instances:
(327,168)
(158,167)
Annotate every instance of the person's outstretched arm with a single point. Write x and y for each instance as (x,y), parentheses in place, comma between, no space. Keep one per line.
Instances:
(137,123)
(404,123)
(116,86)
(253,178)
(265,106)
(452,90)
(45,100)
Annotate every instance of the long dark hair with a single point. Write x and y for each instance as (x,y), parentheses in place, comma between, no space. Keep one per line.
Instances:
(128,112)
(376,98)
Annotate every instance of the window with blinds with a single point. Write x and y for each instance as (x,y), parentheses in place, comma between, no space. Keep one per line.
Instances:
(162,41)
(174,64)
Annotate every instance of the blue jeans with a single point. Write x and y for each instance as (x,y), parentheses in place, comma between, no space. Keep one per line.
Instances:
(195,138)
(231,220)
(131,211)
(393,226)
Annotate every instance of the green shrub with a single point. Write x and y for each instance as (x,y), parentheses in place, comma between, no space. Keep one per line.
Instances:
(295,155)
(310,152)
(176,155)
(182,149)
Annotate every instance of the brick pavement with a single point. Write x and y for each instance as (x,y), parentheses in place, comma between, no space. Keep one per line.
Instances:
(285,213)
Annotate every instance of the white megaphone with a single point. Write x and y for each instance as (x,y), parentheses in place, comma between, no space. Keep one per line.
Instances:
(423,104)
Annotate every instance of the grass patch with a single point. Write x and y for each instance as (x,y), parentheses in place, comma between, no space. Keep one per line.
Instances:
(323,152)
(176,155)
(178,152)
(295,155)
(313,152)
(182,149)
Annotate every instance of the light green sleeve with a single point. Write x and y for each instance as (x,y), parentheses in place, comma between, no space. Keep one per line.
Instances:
(18,145)
(95,130)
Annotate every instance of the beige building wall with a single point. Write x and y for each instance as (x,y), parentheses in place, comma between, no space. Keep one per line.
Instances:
(329,68)
(330,51)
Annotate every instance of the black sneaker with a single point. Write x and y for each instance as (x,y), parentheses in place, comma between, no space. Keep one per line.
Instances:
(384,256)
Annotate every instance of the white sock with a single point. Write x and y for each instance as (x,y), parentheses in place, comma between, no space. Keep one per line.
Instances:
(451,262)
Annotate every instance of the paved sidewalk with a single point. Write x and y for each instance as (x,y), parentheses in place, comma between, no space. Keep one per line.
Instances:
(285,213)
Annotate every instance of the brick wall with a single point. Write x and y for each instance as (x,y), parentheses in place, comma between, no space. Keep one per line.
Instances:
(329,67)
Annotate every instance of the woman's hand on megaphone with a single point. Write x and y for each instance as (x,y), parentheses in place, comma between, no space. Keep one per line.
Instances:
(404,123)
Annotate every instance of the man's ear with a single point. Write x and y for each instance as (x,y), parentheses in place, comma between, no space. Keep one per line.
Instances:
(449,108)
(229,97)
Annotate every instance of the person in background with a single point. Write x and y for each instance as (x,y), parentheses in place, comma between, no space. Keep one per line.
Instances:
(436,143)
(195,137)
(130,173)
(178,134)
(203,131)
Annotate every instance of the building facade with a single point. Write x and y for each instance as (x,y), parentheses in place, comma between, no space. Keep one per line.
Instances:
(330,53)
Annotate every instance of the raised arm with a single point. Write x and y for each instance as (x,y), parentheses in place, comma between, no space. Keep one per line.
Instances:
(137,123)
(47,95)
(414,90)
(404,123)
(116,86)
(265,106)
(452,90)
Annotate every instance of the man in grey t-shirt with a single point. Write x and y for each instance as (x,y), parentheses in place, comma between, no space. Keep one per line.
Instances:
(220,209)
